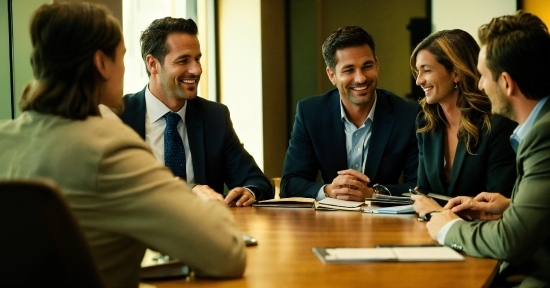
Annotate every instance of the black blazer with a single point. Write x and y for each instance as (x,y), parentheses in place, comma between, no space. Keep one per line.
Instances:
(491,168)
(218,155)
(318,144)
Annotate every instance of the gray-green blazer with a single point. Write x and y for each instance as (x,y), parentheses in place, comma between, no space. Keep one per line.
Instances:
(522,236)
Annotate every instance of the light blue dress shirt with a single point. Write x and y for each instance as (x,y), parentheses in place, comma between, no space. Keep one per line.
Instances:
(521,130)
(357,142)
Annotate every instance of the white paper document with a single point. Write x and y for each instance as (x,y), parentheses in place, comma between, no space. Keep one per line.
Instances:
(354,254)
(427,254)
(341,203)
(401,209)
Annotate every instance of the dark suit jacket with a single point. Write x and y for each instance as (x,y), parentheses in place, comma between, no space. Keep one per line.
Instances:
(218,155)
(318,143)
(522,236)
(492,168)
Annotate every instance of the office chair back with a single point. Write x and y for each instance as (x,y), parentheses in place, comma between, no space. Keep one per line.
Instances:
(41,243)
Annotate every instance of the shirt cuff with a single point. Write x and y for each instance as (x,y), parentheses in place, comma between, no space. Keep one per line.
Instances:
(321,194)
(250,190)
(443,232)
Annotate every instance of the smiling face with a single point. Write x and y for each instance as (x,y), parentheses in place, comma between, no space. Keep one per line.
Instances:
(177,79)
(500,105)
(437,83)
(355,75)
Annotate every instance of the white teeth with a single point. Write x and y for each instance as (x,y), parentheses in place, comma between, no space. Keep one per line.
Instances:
(189,81)
(359,88)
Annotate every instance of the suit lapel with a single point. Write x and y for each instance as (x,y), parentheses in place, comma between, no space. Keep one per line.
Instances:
(333,122)
(382,127)
(433,158)
(134,112)
(457,165)
(195,134)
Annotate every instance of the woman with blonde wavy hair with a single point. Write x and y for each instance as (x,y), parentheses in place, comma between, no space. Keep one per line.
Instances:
(463,148)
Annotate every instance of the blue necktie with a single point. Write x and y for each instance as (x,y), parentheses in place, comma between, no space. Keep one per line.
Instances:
(174,153)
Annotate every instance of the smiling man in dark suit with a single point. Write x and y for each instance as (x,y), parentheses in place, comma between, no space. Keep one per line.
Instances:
(203,147)
(356,135)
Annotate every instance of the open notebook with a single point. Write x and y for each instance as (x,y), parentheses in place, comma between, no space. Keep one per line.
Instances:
(301,202)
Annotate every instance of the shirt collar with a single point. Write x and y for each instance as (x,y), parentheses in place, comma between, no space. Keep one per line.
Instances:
(156,109)
(523,129)
(370,116)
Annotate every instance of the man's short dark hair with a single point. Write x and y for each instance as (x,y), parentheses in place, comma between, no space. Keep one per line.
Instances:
(153,39)
(345,37)
(519,45)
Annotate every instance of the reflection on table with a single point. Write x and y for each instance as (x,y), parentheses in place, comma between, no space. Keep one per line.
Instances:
(283,256)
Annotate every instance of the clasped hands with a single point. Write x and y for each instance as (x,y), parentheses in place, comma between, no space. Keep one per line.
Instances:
(484,206)
(349,185)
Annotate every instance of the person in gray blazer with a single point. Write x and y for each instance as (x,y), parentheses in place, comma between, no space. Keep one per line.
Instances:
(515,67)
(124,200)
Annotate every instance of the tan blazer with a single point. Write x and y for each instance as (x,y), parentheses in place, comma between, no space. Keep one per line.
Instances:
(124,200)
(522,236)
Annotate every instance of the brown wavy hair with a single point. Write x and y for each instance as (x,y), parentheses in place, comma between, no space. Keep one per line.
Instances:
(457,51)
(65,36)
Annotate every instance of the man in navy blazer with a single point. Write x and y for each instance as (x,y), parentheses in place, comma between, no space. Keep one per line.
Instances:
(213,153)
(356,136)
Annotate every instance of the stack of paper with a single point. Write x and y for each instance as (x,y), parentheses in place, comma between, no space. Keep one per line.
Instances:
(440,199)
(402,209)
(336,204)
(387,200)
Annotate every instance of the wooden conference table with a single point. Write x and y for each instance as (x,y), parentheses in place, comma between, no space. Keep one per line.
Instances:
(283,256)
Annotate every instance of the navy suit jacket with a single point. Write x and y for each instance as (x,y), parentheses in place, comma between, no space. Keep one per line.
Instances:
(318,143)
(218,155)
(492,168)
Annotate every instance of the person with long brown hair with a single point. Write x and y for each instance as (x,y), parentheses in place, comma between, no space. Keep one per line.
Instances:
(463,148)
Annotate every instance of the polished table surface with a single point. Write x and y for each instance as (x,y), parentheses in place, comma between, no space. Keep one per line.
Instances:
(283,256)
